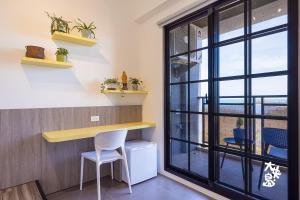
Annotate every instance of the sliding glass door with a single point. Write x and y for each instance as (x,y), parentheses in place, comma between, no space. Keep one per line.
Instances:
(227,98)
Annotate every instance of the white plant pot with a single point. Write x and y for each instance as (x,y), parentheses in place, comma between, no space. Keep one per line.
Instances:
(113,86)
(86,33)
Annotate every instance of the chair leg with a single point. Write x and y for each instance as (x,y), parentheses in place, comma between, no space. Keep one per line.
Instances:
(112,170)
(98,180)
(243,170)
(224,156)
(261,174)
(81,171)
(126,169)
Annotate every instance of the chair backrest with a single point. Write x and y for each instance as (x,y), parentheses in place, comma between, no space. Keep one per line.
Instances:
(110,140)
(275,137)
(239,135)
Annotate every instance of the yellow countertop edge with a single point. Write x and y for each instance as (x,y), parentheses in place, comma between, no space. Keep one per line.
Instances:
(92,131)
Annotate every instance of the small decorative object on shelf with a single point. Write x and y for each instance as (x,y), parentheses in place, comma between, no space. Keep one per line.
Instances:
(87,30)
(58,24)
(135,83)
(35,52)
(124,81)
(61,55)
(111,84)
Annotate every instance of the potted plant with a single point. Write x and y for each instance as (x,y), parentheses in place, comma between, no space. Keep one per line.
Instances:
(61,55)
(135,83)
(111,83)
(58,24)
(239,122)
(87,30)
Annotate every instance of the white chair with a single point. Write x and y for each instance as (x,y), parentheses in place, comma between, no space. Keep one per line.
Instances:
(106,145)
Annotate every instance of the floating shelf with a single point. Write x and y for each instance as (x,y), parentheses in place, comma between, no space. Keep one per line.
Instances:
(45,62)
(124,92)
(73,39)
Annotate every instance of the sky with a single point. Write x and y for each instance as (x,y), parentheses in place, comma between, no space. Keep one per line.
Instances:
(269,53)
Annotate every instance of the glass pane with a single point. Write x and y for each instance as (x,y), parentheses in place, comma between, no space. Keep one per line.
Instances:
(199,65)
(179,154)
(267,55)
(271,106)
(280,189)
(231,22)
(178,40)
(276,85)
(198,34)
(231,60)
(267,14)
(199,160)
(231,170)
(232,88)
(231,105)
(259,125)
(232,132)
(179,69)
(198,96)
(179,125)
(179,97)
(198,128)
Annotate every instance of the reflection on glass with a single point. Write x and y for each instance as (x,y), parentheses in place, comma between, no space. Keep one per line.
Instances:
(199,160)
(276,85)
(231,59)
(232,172)
(198,128)
(179,125)
(231,22)
(267,14)
(268,55)
(199,65)
(179,97)
(198,96)
(179,69)
(178,40)
(179,154)
(198,34)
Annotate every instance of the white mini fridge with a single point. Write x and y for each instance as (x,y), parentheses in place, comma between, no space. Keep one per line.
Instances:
(142,160)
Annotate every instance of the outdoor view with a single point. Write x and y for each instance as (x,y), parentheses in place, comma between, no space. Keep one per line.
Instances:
(268,97)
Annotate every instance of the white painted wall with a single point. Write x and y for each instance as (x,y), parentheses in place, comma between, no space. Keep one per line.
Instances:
(24,22)
(151,58)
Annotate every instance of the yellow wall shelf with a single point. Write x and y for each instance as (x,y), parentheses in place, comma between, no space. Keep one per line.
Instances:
(81,133)
(124,92)
(45,62)
(73,39)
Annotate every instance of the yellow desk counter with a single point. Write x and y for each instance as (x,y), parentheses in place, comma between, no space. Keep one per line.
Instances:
(80,133)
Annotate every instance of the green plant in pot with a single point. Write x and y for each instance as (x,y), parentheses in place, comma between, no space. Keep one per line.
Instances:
(87,30)
(239,122)
(61,55)
(58,24)
(135,83)
(111,83)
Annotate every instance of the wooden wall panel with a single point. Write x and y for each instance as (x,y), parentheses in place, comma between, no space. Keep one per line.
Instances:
(25,156)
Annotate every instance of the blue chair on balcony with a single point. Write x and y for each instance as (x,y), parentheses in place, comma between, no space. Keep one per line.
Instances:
(274,146)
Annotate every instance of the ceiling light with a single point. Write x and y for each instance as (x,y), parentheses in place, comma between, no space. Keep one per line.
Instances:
(253,18)
(279,10)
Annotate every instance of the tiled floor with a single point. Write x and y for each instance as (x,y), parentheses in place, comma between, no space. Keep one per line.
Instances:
(159,188)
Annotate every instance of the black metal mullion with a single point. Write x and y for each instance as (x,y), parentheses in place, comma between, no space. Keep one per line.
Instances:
(189,104)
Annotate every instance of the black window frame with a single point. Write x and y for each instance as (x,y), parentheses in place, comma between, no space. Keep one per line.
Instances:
(292,119)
